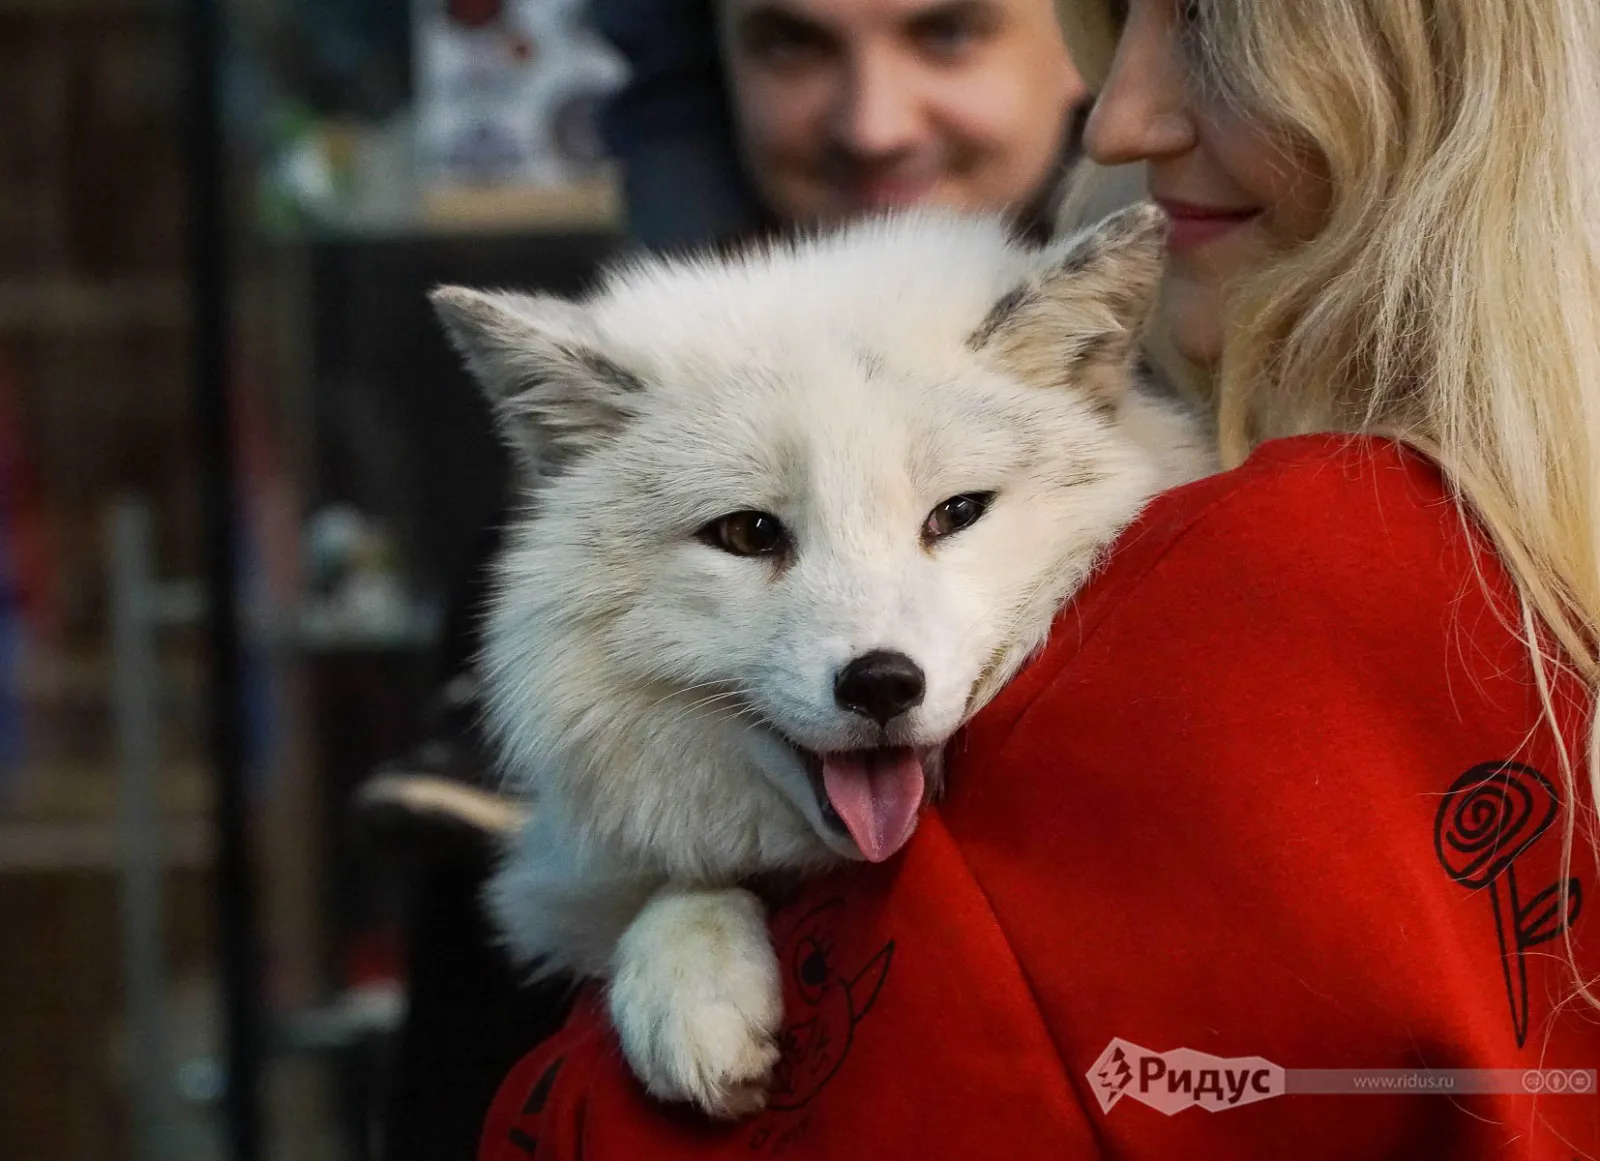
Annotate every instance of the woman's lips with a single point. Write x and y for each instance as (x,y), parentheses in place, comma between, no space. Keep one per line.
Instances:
(1194,225)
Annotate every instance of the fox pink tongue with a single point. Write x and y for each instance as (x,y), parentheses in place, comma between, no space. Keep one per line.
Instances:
(877,793)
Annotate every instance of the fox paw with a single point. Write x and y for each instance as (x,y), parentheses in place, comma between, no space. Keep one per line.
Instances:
(698,1002)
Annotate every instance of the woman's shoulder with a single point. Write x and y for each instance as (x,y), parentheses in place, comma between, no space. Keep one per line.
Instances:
(1310,525)
(1306,504)
(1318,553)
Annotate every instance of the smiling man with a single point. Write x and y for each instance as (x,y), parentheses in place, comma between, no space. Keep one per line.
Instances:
(748,113)
(848,106)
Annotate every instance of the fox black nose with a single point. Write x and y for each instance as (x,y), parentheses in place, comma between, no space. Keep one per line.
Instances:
(879,685)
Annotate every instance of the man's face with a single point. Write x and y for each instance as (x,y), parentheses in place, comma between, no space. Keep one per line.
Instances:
(846,106)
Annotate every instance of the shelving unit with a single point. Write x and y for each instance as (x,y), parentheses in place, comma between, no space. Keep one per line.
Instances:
(334,358)
(49,846)
(93,400)
(593,206)
(70,306)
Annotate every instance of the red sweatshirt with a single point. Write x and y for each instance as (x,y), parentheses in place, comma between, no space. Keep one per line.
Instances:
(1275,798)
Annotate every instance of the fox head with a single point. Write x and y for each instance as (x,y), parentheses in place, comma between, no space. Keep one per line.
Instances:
(794,516)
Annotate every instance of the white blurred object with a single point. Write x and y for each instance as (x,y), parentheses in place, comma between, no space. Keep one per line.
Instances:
(306,175)
(357,592)
(506,92)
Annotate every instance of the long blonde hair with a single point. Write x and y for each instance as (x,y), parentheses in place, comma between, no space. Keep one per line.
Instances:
(1453,298)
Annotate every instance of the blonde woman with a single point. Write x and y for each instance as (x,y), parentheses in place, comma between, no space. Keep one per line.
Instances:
(1306,779)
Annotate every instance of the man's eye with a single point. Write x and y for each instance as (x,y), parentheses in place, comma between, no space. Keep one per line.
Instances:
(778,42)
(947,38)
(950,36)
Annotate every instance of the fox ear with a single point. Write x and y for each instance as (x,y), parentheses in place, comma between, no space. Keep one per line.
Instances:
(555,395)
(1079,317)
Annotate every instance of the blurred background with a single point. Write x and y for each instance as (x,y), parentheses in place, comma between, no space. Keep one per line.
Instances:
(246,494)
(217,226)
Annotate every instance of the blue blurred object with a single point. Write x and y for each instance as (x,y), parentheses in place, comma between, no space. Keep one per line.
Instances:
(671,128)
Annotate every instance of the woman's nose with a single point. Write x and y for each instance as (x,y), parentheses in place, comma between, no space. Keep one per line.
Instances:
(1142,112)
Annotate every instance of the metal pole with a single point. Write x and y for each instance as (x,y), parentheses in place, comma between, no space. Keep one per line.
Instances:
(210,286)
(139,833)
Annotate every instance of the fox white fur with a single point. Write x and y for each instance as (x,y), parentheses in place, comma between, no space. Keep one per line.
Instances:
(655,696)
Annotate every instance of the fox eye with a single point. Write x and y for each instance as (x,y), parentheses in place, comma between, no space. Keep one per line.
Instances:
(746,534)
(954,514)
